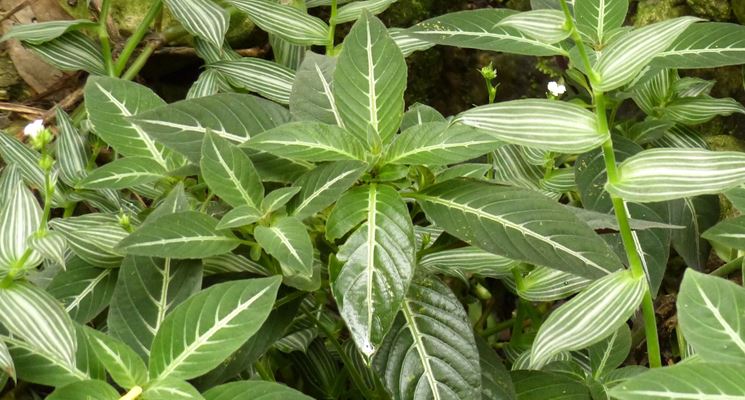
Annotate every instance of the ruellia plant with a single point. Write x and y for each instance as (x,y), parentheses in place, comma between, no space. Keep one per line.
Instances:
(293,230)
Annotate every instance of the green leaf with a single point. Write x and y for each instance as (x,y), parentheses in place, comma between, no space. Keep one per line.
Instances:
(478,29)
(468,260)
(547,26)
(685,381)
(201,332)
(41,32)
(419,114)
(378,264)
(170,389)
(312,98)
(611,352)
(71,153)
(408,43)
(287,240)
(321,186)
(285,53)
(83,289)
(430,352)
(201,18)
(124,173)
(666,174)
(369,81)
(592,315)
(710,313)
(439,143)
(540,385)
(93,237)
(88,389)
(34,316)
(597,18)
(546,284)
(147,290)
(240,216)
(267,78)
(187,234)
(309,141)
(729,232)
(19,219)
(72,51)
(696,214)
(110,102)
(495,379)
(229,172)
(182,125)
(354,10)
(121,362)
(626,56)
(207,84)
(6,362)
(255,390)
(279,198)
(705,45)
(700,109)
(287,22)
(542,124)
(25,160)
(519,224)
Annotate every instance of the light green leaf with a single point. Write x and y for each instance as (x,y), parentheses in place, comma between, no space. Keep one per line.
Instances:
(468,260)
(542,124)
(369,81)
(547,26)
(694,381)
(700,109)
(285,53)
(729,232)
(710,313)
(93,237)
(124,173)
(546,284)
(666,174)
(592,315)
(207,84)
(147,290)
(88,390)
(430,353)
(419,114)
(267,78)
(287,240)
(439,143)
(6,362)
(72,51)
(236,117)
(170,389)
(229,172)
(22,158)
(323,185)
(354,10)
(279,198)
(597,18)
(705,45)
(408,43)
(312,98)
(110,102)
(378,264)
(83,289)
(50,245)
(187,234)
(41,32)
(19,219)
(309,141)
(255,390)
(121,362)
(287,22)
(519,224)
(627,55)
(478,29)
(71,153)
(201,18)
(201,332)
(240,216)
(32,315)
(696,214)
(540,385)
(610,353)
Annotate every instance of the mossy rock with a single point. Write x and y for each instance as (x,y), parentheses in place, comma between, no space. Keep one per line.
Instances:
(725,142)
(738,8)
(651,11)
(715,10)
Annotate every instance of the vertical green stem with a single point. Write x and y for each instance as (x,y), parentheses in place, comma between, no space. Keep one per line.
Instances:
(332,30)
(137,36)
(103,37)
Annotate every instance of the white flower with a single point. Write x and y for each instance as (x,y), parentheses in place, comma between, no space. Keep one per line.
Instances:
(556,89)
(33,129)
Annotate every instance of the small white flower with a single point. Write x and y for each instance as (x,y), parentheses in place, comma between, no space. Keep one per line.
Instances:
(556,89)
(33,129)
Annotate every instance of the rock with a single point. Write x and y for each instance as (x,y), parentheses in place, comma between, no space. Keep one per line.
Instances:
(651,11)
(715,10)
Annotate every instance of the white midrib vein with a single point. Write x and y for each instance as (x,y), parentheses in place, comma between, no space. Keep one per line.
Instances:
(181,240)
(114,355)
(88,289)
(231,175)
(198,129)
(441,146)
(372,95)
(321,190)
(163,300)
(312,145)
(120,176)
(372,209)
(205,337)
(157,155)
(481,214)
(423,354)
(734,336)
(329,96)
(286,243)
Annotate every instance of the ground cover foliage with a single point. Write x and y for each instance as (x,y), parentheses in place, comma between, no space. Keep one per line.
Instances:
(293,230)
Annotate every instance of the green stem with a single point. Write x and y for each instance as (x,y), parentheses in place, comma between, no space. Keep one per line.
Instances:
(332,30)
(572,28)
(499,327)
(139,62)
(627,237)
(137,36)
(103,37)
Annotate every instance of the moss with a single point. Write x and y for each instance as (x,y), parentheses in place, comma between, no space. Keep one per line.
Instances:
(716,10)
(407,13)
(725,142)
(650,11)
(738,8)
